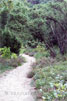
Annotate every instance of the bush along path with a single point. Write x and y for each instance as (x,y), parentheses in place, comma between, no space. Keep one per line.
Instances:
(15,86)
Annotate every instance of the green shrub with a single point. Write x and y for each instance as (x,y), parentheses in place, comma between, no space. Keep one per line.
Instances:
(41,52)
(40,48)
(14,56)
(32,43)
(39,55)
(10,40)
(5,52)
(22,50)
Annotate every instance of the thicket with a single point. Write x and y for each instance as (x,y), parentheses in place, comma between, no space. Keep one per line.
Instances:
(48,24)
(8,37)
(29,24)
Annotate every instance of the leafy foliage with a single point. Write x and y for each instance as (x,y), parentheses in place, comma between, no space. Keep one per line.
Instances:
(5,52)
(9,60)
(50,79)
(48,27)
(45,22)
(9,40)
(41,52)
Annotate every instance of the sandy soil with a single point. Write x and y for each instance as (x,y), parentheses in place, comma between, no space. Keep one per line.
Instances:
(15,86)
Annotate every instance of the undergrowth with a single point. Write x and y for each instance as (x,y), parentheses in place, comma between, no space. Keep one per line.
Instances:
(4,68)
(51,79)
(50,76)
(9,60)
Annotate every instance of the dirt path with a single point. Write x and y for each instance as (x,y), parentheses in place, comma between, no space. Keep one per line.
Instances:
(15,86)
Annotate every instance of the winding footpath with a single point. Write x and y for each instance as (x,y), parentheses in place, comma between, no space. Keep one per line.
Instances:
(15,86)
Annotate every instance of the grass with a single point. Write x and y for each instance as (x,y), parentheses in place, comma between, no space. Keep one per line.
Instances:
(8,64)
(39,55)
(4,68)
(37,52)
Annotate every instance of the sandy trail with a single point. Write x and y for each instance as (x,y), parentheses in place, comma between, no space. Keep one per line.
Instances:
(15,86)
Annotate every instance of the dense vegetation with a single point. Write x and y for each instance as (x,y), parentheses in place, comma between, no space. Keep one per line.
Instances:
(50,79)
(32,24)
(49,76)
(39,26)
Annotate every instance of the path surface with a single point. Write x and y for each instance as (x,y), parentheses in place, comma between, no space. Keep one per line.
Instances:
(15,86)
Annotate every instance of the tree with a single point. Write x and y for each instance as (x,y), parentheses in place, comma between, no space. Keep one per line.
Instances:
(52,29)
